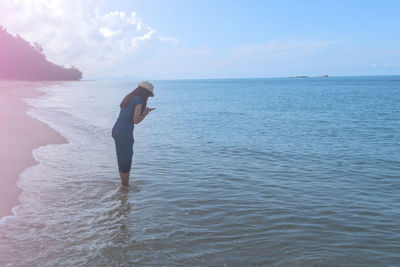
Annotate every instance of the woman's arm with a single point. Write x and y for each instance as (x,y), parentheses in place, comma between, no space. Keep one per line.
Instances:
(138,116)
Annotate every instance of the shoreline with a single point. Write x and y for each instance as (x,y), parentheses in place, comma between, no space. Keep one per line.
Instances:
(20,134)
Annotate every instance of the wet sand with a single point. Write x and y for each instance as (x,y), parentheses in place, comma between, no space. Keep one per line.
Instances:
(19,135)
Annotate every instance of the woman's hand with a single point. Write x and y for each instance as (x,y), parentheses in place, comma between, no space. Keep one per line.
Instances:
(138,116)
(147,111)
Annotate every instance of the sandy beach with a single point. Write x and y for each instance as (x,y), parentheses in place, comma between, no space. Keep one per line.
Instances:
(19,135)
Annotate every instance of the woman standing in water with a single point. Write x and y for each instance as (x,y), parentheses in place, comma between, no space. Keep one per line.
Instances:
(133,110)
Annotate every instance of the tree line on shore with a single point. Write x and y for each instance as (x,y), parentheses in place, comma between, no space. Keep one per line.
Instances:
(21,60)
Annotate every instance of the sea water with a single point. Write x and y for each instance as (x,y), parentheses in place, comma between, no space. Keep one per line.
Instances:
(225,172)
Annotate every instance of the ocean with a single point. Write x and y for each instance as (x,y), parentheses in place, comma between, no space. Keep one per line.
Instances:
(226,172)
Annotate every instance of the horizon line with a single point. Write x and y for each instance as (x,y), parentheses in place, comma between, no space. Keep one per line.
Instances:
(236,78)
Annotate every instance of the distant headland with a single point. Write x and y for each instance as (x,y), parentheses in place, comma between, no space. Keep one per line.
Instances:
(302,76)
(21,60)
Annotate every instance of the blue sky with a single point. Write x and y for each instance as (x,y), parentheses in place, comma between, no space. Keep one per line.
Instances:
(224,23)
(169,39)
(362,36)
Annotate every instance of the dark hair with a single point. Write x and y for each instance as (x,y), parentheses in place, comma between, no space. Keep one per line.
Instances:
(139,91)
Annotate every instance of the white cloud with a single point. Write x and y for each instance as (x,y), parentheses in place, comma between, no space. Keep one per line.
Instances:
(169,39)
(136,41)
(74,32)
(106,32)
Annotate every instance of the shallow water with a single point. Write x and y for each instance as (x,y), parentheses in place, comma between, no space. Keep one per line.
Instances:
(245,171)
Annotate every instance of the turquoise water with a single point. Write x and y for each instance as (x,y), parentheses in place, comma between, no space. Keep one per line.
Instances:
(237,172)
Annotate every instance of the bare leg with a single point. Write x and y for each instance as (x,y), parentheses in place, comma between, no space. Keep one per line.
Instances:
(124,178)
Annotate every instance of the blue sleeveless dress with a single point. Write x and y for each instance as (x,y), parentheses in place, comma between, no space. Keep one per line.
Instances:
(122,132)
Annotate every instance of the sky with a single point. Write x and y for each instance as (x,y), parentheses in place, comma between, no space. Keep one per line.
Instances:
(184,39)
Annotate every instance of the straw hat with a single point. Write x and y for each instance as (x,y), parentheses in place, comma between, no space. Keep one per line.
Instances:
(148,86)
